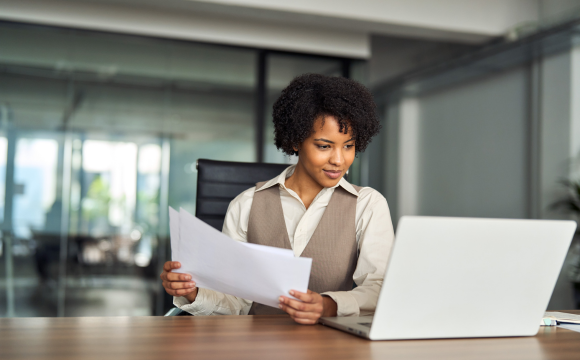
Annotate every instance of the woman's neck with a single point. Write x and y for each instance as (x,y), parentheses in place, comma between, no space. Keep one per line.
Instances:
(303,185)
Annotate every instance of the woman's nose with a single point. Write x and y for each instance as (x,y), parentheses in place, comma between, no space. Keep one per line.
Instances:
(337,158)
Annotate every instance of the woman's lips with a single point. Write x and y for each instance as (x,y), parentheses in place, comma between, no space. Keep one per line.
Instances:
(333,174)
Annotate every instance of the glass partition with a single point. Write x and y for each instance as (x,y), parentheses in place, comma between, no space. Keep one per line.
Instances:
(87,115)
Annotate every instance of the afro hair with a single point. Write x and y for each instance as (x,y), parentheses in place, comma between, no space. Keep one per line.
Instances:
(311,96)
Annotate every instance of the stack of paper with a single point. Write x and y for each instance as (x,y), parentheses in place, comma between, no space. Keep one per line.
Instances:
(552,318)
(217,262)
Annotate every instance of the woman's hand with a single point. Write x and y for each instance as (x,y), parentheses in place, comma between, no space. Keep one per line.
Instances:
(177,284)
(312,307)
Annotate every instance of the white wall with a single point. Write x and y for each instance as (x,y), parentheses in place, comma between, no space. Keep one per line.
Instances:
(472,157)
(555,119)
(557,9)
(409,157)
(575,114)
(394,56)
(461,151)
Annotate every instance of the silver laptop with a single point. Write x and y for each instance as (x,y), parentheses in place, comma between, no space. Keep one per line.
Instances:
(465,277)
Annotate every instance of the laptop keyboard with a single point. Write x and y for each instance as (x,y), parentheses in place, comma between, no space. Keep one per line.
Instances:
(366,324)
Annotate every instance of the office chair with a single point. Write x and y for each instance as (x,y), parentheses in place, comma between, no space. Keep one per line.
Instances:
(218,183)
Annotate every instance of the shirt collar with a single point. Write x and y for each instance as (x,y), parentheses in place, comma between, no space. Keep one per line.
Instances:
(281,179)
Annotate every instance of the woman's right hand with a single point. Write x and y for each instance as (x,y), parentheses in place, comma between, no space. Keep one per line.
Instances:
(177,284)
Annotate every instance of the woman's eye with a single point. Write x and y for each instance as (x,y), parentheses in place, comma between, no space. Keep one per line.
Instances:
(323,146)
(349,146)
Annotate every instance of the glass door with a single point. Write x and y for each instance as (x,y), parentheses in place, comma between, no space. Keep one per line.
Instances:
(33,224)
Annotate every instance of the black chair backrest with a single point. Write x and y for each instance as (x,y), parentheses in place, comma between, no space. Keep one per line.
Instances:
(219,182)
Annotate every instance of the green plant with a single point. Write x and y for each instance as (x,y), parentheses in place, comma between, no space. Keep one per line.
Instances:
(570,203)
(96,202)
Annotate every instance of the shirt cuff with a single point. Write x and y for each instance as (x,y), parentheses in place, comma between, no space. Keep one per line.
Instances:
(346,303)
(200,307)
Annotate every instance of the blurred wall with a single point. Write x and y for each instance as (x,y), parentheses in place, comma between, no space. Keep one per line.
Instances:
(550,9)
(471,155)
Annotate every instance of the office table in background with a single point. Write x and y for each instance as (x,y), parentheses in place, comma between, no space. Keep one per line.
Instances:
(249,337)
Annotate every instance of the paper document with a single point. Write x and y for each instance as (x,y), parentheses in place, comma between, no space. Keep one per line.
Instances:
(174,233)
(552,318)
(215,261)
(573,327)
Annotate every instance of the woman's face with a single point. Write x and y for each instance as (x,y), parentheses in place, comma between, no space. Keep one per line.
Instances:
(328,153)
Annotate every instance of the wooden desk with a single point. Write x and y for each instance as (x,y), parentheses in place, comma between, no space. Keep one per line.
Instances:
(249,337)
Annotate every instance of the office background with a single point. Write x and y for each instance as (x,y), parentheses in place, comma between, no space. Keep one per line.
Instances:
(106,105)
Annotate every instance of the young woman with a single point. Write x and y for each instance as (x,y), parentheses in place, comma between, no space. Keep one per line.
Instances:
(310,208)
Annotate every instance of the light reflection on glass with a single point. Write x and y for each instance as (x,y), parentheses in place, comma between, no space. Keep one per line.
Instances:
(110,179)
(35,177)
(3,154)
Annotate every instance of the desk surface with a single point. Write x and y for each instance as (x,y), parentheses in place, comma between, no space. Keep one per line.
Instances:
(249,337)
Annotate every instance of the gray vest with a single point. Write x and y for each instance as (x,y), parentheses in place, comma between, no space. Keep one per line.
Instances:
(332,247)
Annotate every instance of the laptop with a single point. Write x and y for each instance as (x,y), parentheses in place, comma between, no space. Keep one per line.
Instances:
(465,277)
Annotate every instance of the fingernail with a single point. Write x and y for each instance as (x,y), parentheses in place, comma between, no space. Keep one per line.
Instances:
(280,306)
(292,292)
(281,299)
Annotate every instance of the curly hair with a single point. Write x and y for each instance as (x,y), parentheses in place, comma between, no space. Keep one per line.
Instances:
(310,96)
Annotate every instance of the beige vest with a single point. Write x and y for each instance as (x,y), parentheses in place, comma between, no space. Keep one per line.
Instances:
(332,247)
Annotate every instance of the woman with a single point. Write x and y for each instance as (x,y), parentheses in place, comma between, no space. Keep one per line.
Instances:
(310,208)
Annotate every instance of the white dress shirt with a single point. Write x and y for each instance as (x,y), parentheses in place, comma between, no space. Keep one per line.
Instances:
(374,235)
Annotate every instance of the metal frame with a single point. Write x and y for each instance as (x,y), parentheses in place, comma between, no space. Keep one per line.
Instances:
(260,110)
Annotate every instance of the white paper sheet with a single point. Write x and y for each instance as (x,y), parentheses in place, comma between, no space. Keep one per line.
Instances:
(573,327)
(270,249)
(563,317)
(174,233)
(254,272)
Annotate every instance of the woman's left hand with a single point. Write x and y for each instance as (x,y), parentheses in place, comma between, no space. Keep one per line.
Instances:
(311,307)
